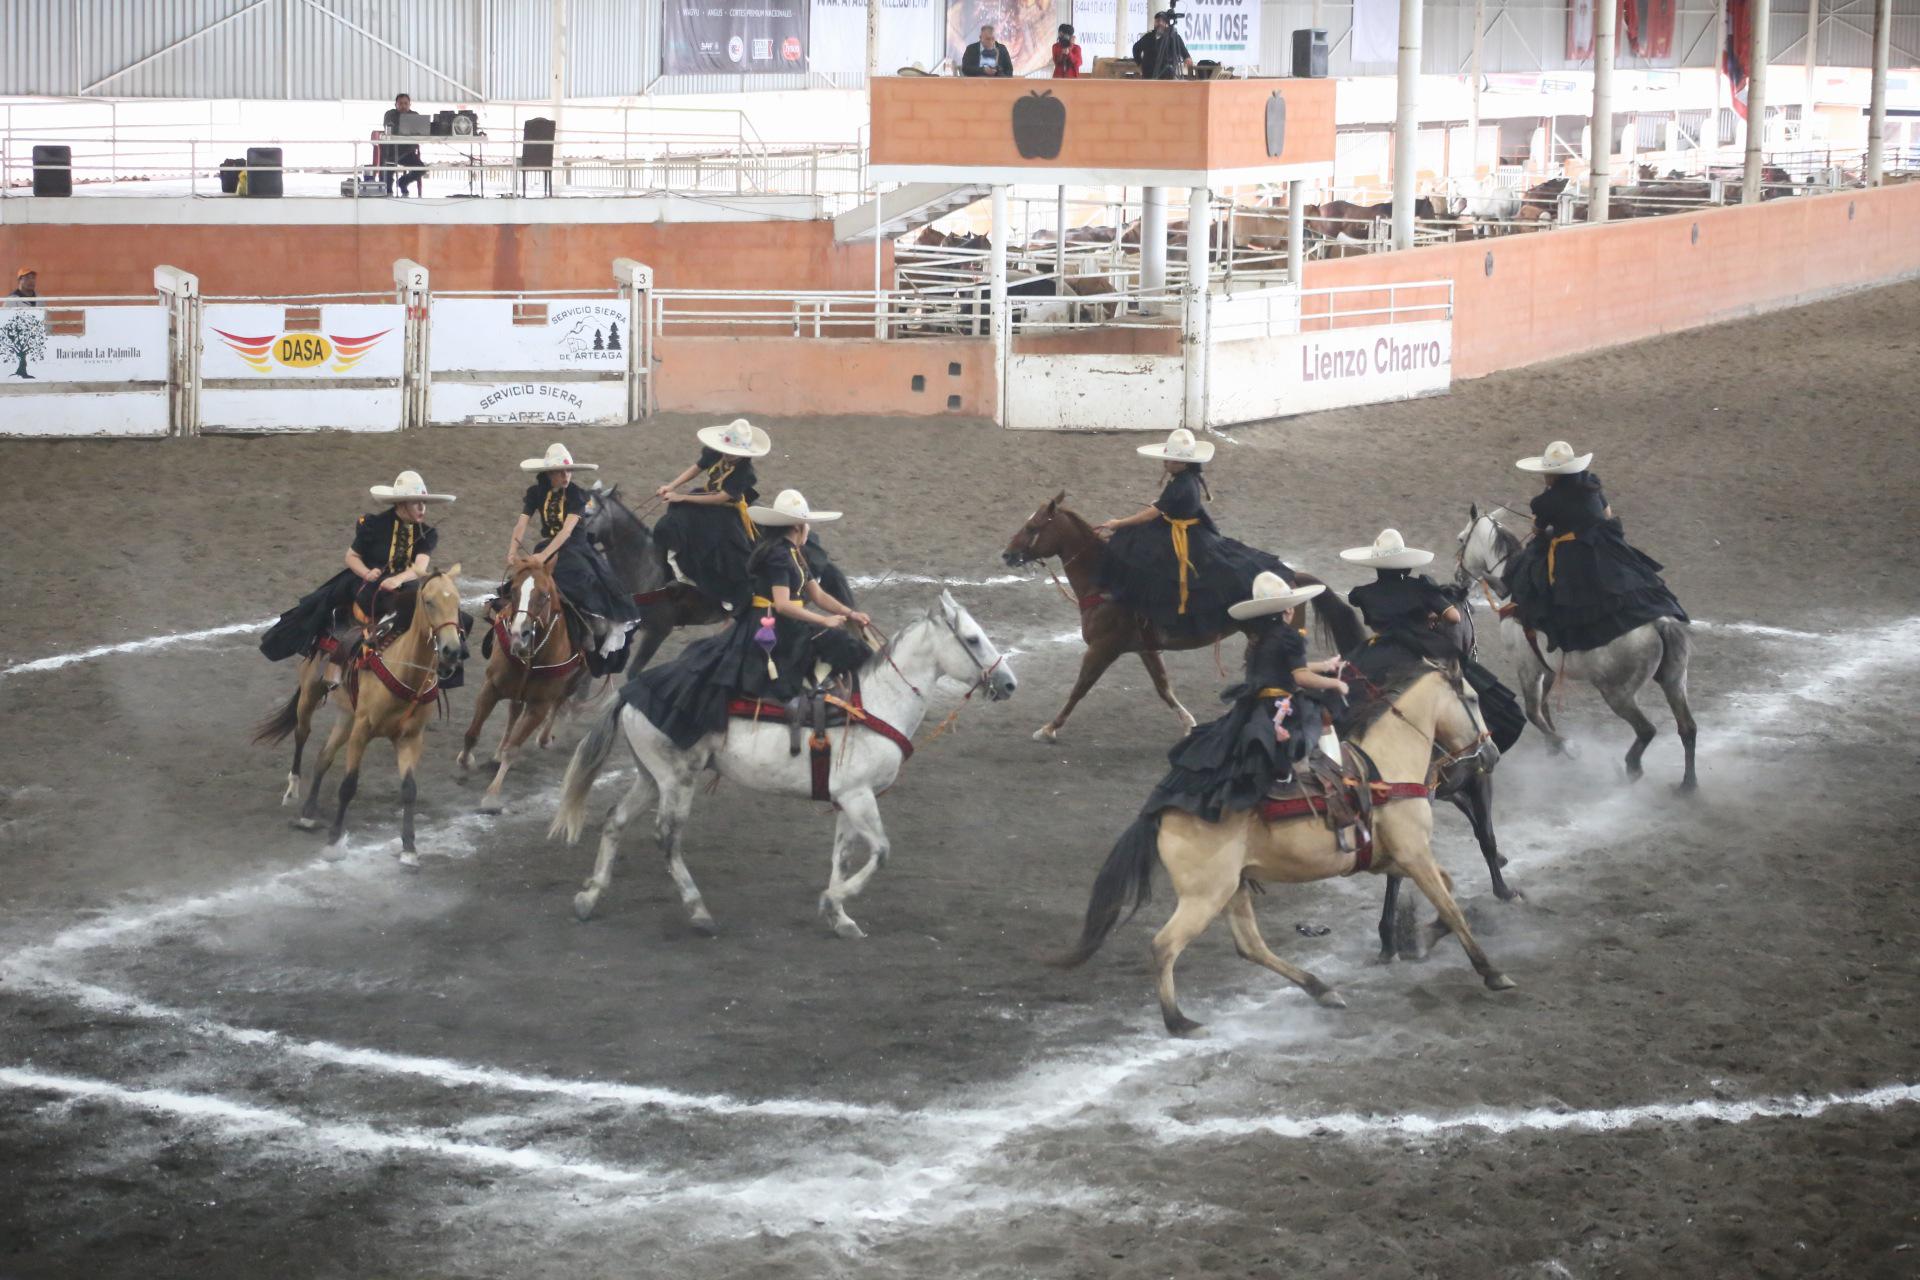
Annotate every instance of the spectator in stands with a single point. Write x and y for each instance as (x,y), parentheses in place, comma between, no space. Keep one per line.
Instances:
(1161,52)
(1066,55)
(404,156)
(986,57)
(25,292)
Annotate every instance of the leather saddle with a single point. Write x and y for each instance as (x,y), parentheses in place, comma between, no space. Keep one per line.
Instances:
(1342,795)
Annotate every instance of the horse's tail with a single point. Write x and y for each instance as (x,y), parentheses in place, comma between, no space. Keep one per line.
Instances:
(1334,619)
(589,758)
(1126,878)
(1676,642)
(277,726)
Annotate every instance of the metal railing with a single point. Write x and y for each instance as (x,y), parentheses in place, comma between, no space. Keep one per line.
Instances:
(1347,306)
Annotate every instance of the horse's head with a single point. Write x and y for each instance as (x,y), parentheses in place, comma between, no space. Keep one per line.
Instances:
(439,604)
(1461,729)
(536,611)
(1486,552)
(1042,536)
(962,651)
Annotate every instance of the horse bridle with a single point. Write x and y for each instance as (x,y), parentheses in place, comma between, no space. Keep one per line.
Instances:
(1496,570)
(434,629)
(1446,759)
(986,672)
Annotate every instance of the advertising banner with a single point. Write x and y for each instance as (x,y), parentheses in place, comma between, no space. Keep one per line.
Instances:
(1223,31)
(734,37)
(911,31)
(1026,27)
(1093,28)
(501,360)
(82,344)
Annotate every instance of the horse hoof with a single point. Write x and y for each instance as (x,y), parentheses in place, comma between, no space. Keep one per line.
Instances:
(334,852)
(1045,733)
(583,905)
(849,930)
(1179,1024)
(1500,982)
(1688,787)
(1330,1000)
(704,926)
(1510,894)
(464,761)
(491,804)
(1387,956)
(306,824)
(292,792)
(409,860)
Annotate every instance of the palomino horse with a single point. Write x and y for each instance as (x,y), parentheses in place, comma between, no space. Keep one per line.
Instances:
(1214,866)
(534,668)
(1659,651)
(944,642)
(1111,630)
(390,694)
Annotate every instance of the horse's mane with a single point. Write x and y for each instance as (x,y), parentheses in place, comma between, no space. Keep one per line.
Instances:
(1362,716)
(1075,521)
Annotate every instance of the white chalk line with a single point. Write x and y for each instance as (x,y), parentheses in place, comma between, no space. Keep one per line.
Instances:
(1505,1122)
(55,661)
(232,1119)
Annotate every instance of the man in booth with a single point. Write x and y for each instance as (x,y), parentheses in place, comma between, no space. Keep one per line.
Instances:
(401,156)
(986,57)
(1161,52)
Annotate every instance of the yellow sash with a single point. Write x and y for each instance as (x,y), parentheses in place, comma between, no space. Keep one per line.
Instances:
(753,533)
(1180,528)
(1552,547)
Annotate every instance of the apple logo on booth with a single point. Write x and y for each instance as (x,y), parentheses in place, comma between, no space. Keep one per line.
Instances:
(1039,124)
(1276,124)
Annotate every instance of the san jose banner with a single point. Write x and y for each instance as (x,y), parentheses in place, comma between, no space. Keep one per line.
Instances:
(734,37)
(910,31)
(1226,31)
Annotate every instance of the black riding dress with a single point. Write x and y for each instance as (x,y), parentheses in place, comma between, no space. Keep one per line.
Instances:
(1579,582)
(1180,572)
(711,541)
(1400,607)
(383,541)
(1233,762)
(579,570)
(687,698)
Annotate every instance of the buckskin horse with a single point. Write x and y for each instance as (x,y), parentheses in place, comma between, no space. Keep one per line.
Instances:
(1660,651)
(1215,866)
(391,687)
(1111,630)
(866,757)
(534,667)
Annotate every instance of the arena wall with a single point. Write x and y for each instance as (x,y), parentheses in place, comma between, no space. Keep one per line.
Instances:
(250,260)
(821,377)
(1518,300)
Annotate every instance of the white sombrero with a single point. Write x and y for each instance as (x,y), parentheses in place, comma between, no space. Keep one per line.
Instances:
(1180,447)
(739,438)
(407,487)
(557,459)
(790,508)
(1558,460)
(1273,594)
(1389,551)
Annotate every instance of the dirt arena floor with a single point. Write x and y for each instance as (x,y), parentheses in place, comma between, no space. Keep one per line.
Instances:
(221,1055)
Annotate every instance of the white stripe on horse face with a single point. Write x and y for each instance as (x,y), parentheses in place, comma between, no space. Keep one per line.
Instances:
(526,597)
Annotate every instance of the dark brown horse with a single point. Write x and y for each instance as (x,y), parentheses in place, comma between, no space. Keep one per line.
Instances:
(534,669)
(1111,630)
(1344,217)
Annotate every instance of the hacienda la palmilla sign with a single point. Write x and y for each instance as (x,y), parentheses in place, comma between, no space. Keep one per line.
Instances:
(301,351)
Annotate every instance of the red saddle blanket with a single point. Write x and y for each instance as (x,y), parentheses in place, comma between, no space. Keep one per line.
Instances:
(1302,804)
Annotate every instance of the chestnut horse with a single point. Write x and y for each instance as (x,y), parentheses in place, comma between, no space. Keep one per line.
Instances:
(393,692)
(1110,629)
(534,667)
(1215,866)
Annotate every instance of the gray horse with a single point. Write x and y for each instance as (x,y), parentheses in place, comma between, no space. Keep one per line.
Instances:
(1657,651)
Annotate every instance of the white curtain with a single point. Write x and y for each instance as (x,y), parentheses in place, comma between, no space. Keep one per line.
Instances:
(1376,30)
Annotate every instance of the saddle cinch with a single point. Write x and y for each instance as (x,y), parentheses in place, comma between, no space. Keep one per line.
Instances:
(1344,795)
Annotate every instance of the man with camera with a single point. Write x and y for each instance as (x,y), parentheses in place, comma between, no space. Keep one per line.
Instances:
(1161,52)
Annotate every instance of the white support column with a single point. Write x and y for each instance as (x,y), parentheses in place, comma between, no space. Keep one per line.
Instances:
(1153,243)
(1710,140)
(997,291)
(1813,67)
(873,44)
(1761,12)
(1193,316)
(1473,70)
(1122,47)
(557,61)
(1600,131)
(879,285)
(1877,99)
(1406,124)
(1296,232)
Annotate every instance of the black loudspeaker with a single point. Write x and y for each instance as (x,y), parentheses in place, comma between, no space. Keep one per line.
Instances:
(230,170)
(263,172)
(536,143)
(53,171)
(442,125)
(1310,53)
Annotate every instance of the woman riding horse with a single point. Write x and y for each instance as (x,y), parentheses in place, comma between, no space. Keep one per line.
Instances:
(1415,620)
(1274,719)
(772,647)
(708,533)
(1168,562)
(1579,581)
(581,572)
(390,549)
